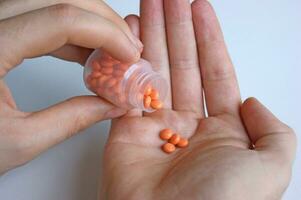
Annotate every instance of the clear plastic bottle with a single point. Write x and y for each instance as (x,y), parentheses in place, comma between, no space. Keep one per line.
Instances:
(122,84)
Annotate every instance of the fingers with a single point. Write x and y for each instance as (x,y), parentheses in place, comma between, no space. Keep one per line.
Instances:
(218,76)
(26,35)
(72,53)
(133,22)
(10,8)
(59,122)
(183,58)
(267,132)
(152,30)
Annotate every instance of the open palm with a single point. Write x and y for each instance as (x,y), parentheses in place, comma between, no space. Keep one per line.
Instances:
(238,151)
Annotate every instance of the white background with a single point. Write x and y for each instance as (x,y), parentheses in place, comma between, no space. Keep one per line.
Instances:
(264,40)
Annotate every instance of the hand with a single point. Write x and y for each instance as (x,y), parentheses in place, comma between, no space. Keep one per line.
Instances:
(68,30)
(239,151)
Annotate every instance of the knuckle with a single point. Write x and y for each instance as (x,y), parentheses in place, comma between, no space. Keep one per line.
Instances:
(218,73)
(184,63)
(79,119)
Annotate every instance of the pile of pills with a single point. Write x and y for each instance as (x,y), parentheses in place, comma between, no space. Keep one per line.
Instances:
(173,140)
(106,77)
(151,99)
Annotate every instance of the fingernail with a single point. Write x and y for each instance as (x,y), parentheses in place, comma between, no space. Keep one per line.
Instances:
(138,44)
(115,112)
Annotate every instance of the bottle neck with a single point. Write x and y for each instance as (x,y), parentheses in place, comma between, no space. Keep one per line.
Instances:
(138,78)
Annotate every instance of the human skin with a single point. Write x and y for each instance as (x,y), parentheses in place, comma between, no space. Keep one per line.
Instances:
(68,29)
(237,151)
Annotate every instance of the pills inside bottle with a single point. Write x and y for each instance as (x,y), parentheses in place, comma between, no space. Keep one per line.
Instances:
(125,85)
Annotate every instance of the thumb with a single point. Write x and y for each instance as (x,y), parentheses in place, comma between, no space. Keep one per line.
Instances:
(59,122)
(267,132)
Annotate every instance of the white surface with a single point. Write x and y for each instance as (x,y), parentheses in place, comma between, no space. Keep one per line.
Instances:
(264,41)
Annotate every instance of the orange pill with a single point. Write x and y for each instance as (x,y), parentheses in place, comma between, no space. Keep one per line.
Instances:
(119,80)
(101,81)
(175,139)
(122,66)
(106,63)
(148,91)
(147,101)
(95,66)
(154,94)
(156,104)
(182,143)
(107,70)
(106,56)
(93,83)
(111,82)
(168,148)
(118,73)
(166,134)
(89,79)
(110,59)
(96,74)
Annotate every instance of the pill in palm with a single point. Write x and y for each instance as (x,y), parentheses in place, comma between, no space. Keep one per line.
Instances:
(175,138)
(166,134)
(168,148)
(182,143)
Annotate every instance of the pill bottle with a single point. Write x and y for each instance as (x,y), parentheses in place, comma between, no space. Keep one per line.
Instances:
(124,85)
